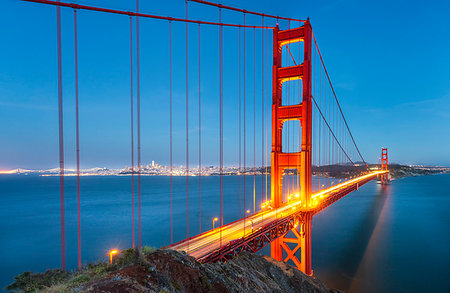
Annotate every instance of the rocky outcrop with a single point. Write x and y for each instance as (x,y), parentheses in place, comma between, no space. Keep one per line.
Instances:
(166,270)
(171,271)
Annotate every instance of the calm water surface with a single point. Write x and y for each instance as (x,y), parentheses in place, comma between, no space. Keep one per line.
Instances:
(393,239)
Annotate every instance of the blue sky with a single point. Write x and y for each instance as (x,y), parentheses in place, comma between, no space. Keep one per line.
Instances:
(389,62)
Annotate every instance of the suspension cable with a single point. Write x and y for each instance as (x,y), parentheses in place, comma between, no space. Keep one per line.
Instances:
(77,122)
(221,120)
(331,131)
(187,128)
(254,121)
(130,13)
(61,139)
(199,136)
(132,133)
(170,130)
(335,97)
(138,101)
(240,127)
(245,11)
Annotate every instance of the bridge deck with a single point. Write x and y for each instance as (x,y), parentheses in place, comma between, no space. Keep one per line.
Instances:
(238,232)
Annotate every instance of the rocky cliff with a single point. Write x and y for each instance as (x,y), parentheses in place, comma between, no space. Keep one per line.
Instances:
(171,271)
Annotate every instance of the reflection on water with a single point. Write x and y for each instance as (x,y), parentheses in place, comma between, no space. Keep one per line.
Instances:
(377,224)
(372,241)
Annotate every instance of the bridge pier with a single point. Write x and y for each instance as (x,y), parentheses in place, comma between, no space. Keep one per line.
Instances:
(301,161)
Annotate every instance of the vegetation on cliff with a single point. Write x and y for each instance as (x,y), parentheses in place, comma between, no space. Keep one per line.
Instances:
(171,271)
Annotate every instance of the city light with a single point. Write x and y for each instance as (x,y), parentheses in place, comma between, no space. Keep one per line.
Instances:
(214,221)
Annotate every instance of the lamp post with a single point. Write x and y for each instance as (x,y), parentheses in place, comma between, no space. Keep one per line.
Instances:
(111,253)
(214,221)
(245,219)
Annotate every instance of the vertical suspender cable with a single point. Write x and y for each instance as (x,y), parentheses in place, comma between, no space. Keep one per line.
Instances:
(244,171)
(170,130)
(254,120)
(320,130)
(240,170)
(132,132)
(187,129)
(138,101)
(314,124)
(61,139)
(267,117)
(199,136)
(262,109)
(77,122)
(221,121)
(288,63)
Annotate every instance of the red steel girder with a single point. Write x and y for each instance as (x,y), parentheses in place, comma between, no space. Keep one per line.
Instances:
(293,112)
(254,241)
(303,112)
(290,73)
(289,160)
(293,35)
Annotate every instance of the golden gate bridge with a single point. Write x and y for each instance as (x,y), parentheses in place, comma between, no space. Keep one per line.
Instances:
(314,158)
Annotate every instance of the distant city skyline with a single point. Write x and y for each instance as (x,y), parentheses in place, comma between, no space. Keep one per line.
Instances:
(392,85)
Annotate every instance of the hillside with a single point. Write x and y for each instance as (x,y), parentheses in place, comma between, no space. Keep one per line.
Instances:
(171,271)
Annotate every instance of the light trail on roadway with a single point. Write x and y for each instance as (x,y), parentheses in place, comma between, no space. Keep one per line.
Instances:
(207,242)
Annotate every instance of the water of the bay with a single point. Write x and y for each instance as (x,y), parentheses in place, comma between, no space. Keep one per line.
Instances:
(378,239)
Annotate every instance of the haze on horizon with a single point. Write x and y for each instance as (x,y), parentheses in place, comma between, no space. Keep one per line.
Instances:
(388,61)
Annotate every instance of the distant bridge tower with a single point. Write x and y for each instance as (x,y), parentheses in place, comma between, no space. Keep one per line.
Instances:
(298,160)
(384,165)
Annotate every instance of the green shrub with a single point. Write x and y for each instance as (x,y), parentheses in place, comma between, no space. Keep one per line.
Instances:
(78,280)
(30,282)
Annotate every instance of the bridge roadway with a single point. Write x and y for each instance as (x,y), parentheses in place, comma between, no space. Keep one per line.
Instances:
(203,245)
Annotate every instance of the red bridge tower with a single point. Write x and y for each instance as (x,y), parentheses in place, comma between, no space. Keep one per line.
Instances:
(301,161)
(384,165)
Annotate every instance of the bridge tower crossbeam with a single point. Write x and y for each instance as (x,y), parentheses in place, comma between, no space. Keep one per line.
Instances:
(301,161)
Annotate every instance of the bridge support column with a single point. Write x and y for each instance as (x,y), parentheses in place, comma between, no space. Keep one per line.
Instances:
(299,160)
(384,166)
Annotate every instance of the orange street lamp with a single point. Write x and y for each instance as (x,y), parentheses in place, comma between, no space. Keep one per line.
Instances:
(248,212)
(111,253)
(214,221)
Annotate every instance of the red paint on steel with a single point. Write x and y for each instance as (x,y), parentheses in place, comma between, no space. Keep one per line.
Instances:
(199,136)
(77,122)
(221,119)
(132,133)
(281,160)
(240,117)
(138,100)
(384,165)
(245,11)
(61,139)
(187,126)
(245,143)
(170,131)
(337,102)
(262,110)
(331,132)
(254,121)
